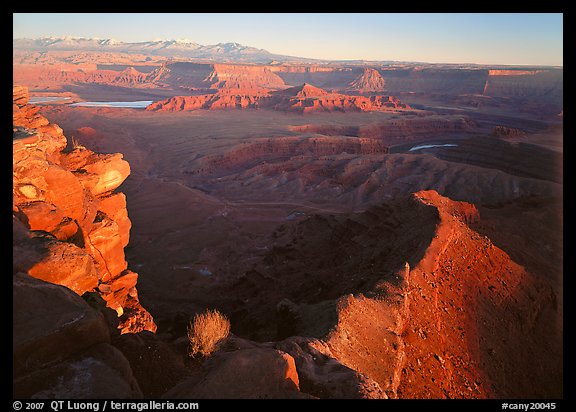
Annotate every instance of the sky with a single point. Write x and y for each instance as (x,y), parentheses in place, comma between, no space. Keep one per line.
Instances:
(482,38)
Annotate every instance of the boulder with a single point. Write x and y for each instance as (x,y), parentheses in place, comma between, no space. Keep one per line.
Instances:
(100,372)
(135,318)
(43,257)
(116,291)
(325,377)
(248,373)
(103,173)
(49,218)
(50,323)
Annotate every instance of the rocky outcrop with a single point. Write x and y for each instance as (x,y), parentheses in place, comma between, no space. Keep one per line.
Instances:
(61,346)
(408,296)
(368,82)
(305,98)
(284,147)
(321,375)
(251,373)
(220,100)
(70,225)
(294,368)
(504,131)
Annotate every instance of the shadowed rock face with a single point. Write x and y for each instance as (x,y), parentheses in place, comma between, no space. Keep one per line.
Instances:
(68,197)
(61,346)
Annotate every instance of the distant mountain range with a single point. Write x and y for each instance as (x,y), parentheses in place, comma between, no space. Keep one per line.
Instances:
(189,50)
(233,52)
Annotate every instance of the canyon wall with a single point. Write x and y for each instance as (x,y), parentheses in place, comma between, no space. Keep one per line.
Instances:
(537,87)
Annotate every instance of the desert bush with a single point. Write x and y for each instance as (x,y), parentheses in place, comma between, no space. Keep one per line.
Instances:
(206,332)
(76,144)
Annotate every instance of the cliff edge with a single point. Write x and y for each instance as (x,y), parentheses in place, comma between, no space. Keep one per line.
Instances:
(70,224)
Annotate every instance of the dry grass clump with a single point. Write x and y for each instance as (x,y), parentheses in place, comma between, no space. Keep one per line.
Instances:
(206,332)
(76,144)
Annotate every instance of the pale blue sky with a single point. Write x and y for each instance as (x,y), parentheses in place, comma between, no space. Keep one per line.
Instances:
(485,38)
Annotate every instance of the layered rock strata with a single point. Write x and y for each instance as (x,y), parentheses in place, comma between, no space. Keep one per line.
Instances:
(304,99)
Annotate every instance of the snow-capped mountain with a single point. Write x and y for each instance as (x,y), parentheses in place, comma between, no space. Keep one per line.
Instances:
(169,48)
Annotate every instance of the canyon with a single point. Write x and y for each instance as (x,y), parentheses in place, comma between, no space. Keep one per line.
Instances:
(376,231)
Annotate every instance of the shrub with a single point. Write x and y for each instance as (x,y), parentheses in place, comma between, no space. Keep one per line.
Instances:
(206,332)
(76,144)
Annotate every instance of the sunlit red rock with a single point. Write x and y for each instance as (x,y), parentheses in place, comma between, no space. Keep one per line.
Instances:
(114,206)
(304,98)
(443,324)
(46,216)
(46,258)
(70,195)
(105,244)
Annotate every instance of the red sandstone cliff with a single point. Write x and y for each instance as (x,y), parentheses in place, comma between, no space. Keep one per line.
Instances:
(215,76)
(71,225)
(80,73)
(305,98)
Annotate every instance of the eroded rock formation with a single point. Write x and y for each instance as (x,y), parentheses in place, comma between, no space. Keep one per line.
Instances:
(505,132)
(368,82)
(443,323)
(70,225)
(304,98)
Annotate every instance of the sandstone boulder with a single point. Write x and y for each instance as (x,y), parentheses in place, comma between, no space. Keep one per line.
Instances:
(135,318)
(325,377)
(116,291)
(49,218)
(50,323)
(103,173)
(44,257)
(249,373)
